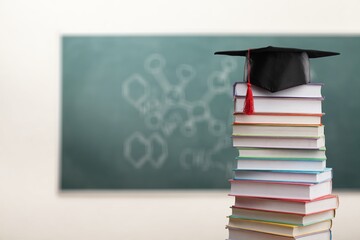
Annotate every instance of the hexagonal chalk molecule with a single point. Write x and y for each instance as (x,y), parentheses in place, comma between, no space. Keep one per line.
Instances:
(136,91)
(140,150)
(164,104)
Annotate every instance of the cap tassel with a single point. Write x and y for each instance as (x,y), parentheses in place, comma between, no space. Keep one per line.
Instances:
(249,99)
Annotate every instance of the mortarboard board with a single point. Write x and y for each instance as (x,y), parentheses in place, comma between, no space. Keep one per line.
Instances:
(275,68)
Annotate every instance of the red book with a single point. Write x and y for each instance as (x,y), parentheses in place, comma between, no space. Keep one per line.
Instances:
(304,207)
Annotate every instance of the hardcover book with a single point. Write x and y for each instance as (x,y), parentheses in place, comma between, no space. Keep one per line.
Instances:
(281,190)
(328,202)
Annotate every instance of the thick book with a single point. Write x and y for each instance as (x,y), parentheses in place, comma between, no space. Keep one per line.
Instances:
(281,105)
(279,142)
(282,153)
(278,228)
(279,118)
(310,90)
(277,164)
(305,207)
(286,218)
(281,190)
(284,175)
(279,131)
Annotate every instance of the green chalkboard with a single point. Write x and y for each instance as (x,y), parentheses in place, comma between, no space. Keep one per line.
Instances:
(155,112)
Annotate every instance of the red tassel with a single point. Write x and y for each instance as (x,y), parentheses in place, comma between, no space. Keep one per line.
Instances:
(249,101)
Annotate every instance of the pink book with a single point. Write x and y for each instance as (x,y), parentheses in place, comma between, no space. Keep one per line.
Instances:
(280,190)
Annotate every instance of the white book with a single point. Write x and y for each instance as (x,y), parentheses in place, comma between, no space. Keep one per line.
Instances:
(255,230)
(281,190)
(306,207)
(304,119)
(285,218)
(281,164)
(284,176)
(310,90)
(282,105)
(279,142)
(282,153)
(283,131)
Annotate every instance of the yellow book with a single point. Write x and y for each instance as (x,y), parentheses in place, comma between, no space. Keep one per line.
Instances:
(278,228)
(241,234)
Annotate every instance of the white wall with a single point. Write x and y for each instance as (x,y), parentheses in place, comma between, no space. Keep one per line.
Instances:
(30,206)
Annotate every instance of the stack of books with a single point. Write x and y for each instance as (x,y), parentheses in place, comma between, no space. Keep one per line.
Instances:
(281,185)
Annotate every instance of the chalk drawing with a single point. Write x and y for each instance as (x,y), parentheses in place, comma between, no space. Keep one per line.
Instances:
(138,140)
(166,109)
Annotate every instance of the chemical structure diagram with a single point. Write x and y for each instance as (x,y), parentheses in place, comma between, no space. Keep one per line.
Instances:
(170,110)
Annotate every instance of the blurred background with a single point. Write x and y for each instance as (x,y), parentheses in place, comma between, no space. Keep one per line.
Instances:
(151,65)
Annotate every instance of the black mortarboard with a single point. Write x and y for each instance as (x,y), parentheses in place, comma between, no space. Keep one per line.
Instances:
(275,69)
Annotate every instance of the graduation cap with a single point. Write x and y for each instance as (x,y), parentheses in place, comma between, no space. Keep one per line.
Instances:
(275,68)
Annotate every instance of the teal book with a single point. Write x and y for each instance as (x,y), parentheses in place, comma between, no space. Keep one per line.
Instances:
(281,164)
(284,175)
